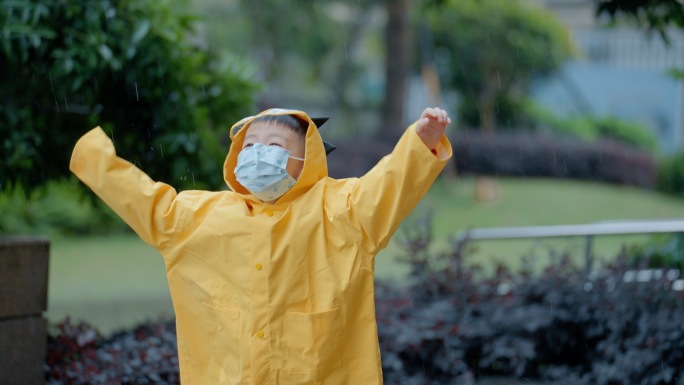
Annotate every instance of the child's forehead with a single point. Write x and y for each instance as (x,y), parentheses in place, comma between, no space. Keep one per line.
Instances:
(269,128)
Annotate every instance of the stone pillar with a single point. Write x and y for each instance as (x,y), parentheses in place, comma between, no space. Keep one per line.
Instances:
(23,299)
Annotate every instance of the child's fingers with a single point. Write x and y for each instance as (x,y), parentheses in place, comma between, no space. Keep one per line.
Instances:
(433,113)
(420,125)
(437,114)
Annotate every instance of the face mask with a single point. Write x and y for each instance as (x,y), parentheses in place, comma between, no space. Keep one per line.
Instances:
(262,170)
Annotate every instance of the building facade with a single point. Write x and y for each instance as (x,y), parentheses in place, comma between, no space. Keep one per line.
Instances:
(623,71)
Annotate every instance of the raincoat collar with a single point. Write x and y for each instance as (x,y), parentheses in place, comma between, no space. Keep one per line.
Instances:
(315,163)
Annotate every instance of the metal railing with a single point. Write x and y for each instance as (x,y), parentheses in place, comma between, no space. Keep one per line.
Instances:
(589,231)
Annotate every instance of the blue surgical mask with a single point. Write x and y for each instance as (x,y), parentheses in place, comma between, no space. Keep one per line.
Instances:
(262,170)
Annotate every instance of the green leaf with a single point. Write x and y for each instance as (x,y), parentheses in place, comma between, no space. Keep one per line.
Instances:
(676,73)
(105,51)
(141,31)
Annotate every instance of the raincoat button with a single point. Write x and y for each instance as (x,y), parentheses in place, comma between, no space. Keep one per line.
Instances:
(269,213)
(260,334)
(258,266)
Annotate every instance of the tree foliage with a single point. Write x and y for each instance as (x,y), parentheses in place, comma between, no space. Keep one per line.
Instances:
(655,15)
(490,51)
(129,66)
(280,30)
(319,36)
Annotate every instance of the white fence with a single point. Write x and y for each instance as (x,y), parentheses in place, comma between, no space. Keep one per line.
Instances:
(589,231)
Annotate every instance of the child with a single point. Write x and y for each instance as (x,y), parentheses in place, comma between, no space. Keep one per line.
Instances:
(272,282)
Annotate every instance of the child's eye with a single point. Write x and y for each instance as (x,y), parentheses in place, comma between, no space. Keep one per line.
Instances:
(248,145)
(275,144)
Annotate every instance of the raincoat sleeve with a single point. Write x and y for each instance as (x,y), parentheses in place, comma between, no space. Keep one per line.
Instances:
(382,198)
(148,207)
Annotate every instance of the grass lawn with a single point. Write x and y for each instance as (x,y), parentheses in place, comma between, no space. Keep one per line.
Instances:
(534,202)
(117,281)
(110,282)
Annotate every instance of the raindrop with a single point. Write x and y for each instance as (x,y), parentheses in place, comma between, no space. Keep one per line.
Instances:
(66,104)
(136,92)
(161,149)
(203,90)
(51,87)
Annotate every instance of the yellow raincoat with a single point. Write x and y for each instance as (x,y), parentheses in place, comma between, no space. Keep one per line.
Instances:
(270,294)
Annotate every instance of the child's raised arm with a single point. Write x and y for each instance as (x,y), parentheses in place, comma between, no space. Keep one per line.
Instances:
(145,205)
(382,198)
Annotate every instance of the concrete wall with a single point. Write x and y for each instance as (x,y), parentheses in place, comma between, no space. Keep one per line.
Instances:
(23,299)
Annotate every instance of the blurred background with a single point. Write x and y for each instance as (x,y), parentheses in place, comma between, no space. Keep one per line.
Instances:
(565,112)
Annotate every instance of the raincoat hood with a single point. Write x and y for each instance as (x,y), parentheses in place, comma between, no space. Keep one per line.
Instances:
(315,163)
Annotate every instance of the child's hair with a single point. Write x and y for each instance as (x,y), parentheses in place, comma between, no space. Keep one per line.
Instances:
(298,126)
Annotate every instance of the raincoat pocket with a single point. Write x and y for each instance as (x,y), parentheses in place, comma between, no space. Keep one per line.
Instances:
(313,342)
(224,337)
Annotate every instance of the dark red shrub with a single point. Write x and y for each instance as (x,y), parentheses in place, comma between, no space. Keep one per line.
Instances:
(535,155)
(79,355)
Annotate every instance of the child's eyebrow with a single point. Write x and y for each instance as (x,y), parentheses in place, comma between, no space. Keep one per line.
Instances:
(269,136)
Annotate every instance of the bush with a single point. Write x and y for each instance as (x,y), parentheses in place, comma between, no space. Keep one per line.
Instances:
(661,251)
(529,155)
(670,179)
(79,355)
(630,133)
(133,67)
(453,323)
(56,208)
(556,325)
(354,158)
(591,128)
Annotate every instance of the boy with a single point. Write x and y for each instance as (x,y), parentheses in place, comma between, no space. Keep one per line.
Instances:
(272,282)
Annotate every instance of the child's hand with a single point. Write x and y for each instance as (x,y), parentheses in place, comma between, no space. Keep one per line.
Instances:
(431,125)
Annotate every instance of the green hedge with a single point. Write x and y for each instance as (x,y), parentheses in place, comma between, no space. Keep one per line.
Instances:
(592,128)
(57,208)
(670,179)
(523,154)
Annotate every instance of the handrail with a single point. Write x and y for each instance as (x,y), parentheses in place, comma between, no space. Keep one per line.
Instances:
(599,228)
(632,226)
